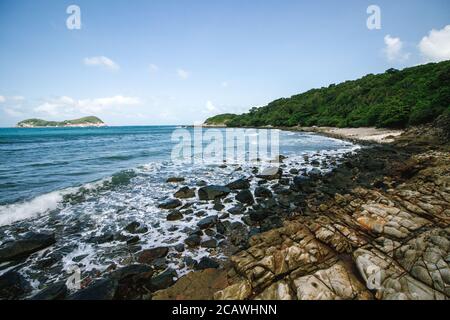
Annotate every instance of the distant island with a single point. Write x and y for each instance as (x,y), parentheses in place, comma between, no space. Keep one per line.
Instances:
(394,99)
(82,122)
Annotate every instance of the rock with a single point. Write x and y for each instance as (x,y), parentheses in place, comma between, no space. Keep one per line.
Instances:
(185,193)
(175,180)
(245,196)
(13,286)
(262,192)
(133,281)
(163,280)
(277,291)
(149,255)
(133,240)
(56,291)
(271,173)
(213,192)
(212,243)
(135,227)
(179,247)
(193,240)
(258,215)
(104,238)
(170,204)
(174,216)
(240,184)
(103,289)
(208,222)
(207,263)
(218,206)
(197,285)
(314,172)
(294,171)
(31,243)
(238,291)
(237,209)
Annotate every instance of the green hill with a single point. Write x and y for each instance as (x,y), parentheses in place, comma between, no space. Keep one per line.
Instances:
(221,119)
(394,99)
(86,122)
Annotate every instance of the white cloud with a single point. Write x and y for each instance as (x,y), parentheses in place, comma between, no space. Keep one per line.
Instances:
(2,99)
(13,113)
(65,106)
(394,49)
(210,106)
(153,68)
(17,98)
(436,46)
(101,61)
(183,74)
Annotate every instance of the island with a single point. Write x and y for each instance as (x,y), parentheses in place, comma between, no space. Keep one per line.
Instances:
(82,122)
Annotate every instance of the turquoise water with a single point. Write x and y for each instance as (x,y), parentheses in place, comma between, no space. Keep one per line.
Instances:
(83,184)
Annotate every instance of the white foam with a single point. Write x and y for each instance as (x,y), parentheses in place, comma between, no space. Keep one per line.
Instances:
(30,209)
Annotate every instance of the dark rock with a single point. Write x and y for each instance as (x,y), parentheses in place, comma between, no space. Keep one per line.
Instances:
(179,247)
(262,192)
(207,263)
(201,183)
(218,206)
(103,289)
(193,240)
(224,216)
(185,193)
(32,242)
(258,215)
(135,227)
(163,280)
(132,281)
(104,238)
(175,180)
(213,192)
(208,222)
(271,173)
(174,216)
(237,209)
(133,240)
(240,184)
(170,204)
(55,291)
(149,255)
(245,196)
(314,172)
(212,243)
(293,171)
(131,270)
(13,286)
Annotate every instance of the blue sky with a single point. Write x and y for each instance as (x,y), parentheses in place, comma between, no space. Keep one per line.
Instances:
(178,62)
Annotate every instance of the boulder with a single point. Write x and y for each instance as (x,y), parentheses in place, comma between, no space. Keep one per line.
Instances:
(163,280)
(207,263)
(239,184)
(135,227)
(237,209)
(208,222)
(262,192)
(149,255)
(193,240)
(213,192)
(55,291)
(103,289)
(170,204)
(174,216)
(13,286)
(31,243)
(212,243)
(185,193)
(245,196)
(271,173)
(175,180)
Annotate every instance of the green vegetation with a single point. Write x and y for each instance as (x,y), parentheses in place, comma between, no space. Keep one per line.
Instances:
(86,121)
(394,99)
(221,119)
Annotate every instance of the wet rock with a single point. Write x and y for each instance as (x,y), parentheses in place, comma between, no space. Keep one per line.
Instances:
(32,242)
(179,247)
(218,206)
(211,243)
(13,286)
(103,289)
(133,240)
(213,192)
(262,192)
(133,281)
(135,227)
(185,193)
(175,180)
(237,209)
(170,204)
(149,255)
(293,171)
(163,280)
(207,263)
(193,240)
(56,291)
(314,172)
(240,184)
(271,173)
(208,222)
(104,238)
(174,216)
(245,196)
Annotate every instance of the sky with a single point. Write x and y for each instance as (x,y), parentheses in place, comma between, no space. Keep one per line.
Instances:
(159,62)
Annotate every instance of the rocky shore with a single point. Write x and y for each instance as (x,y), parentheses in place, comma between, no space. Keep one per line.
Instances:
(374,227)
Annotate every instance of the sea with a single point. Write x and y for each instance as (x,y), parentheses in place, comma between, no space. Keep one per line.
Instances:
(85,183)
